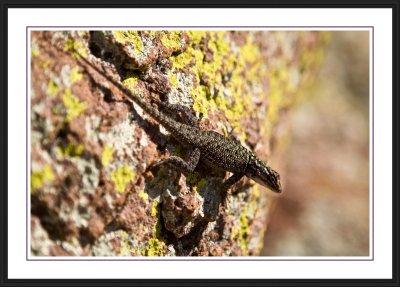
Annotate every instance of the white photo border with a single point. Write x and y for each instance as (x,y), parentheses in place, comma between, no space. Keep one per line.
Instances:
(378,20)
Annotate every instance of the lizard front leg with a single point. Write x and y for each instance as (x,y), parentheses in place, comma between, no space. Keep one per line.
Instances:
(234,178)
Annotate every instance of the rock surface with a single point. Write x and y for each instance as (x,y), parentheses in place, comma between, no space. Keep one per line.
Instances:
(92,191)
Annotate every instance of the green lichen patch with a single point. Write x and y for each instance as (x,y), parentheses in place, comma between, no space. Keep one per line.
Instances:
(154,208)
(126,247)
(196,36)
(41,177)
(240,232)
(74,106)
(121,177)
(75,75)
(52,88)
(131,82)
(107,155)
(34,50)
(44,64)
(158,227)
(76,47)
(171,40)
(244,231)
(155,247)
(131,38)
(70,150)
(221,75)
(143,195)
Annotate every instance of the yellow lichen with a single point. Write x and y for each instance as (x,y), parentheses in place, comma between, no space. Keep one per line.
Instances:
(244,231)
(131,38)
(70,150)
(155,247)
(52,88)
(250,52)
(121,177)
(107,155)
(125,248)
(230,78)
(77,48)
(190,55)
(41,177)
(44,64)
(34,52)
(154,209)
(143,195)
(221,61)
(173,79)
(73,105)
(75,75)
(171,39)
(201,102)
(196,36)
(235,232)
(131,81)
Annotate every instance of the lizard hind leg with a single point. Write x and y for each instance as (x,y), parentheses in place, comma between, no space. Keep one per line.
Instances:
(177,163)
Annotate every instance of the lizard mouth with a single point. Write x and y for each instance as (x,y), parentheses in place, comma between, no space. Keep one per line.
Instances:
(275,186)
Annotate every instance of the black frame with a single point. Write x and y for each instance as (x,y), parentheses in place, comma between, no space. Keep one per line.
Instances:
(7,4)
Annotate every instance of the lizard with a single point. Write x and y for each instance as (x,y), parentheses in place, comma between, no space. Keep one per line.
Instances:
(209,146)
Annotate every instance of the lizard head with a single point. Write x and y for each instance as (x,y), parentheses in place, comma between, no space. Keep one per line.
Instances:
(264,175)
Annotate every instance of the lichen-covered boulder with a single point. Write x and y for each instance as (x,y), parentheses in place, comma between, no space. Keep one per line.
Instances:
(93,191)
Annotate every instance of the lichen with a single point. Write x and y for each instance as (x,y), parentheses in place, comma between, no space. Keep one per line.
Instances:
(244,231)
(158,227)
(125,247)
(76,47)
(74,106)
(143,195)
(190,56)
(171,40)
(174,80)
(121,177)
(75,75)
(131,38)
(41,177)
(131,81)
(34,51)
(155,247)
(44,64)
(154,208)
(214,60)
(52,88)
(196,36)
(107,155)
(70,150)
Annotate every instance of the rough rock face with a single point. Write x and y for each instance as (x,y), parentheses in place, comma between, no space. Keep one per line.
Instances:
(93,191)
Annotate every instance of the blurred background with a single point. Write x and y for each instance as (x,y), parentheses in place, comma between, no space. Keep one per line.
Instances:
(324,210)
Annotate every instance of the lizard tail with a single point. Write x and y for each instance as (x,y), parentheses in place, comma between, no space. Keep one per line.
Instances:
(169,123)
